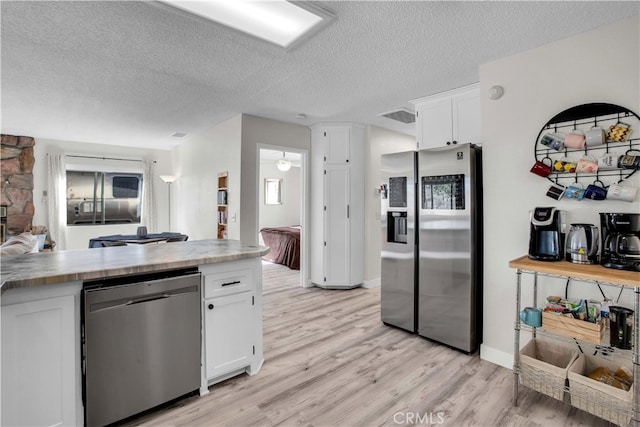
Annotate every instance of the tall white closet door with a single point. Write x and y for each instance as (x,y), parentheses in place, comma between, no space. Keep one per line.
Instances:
(336,225)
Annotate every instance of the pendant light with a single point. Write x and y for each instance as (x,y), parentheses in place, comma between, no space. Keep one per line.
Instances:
(283,164)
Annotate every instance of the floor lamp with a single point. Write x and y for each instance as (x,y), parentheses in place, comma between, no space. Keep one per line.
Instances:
(169,179)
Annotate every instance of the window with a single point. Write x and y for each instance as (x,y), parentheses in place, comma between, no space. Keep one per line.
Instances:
(103,197)
(272,191)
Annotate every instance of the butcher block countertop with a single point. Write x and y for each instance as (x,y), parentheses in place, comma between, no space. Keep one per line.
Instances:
(46,268)
(593,272)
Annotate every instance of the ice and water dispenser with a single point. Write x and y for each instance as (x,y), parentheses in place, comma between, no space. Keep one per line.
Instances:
(397,227)
(397,219)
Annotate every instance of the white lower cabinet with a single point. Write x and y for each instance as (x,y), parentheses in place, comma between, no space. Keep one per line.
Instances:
(232,320)
(40,361)
(229,333)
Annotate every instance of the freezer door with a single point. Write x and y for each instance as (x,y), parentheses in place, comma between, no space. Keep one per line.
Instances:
(446,209)
(398,297)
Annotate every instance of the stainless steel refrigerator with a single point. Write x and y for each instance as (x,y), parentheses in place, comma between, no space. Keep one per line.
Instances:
(432,278)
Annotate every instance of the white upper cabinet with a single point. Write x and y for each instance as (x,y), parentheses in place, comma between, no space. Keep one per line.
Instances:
(337,144)
(448,118)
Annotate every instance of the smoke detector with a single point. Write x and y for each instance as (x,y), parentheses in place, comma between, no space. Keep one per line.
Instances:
(401,115)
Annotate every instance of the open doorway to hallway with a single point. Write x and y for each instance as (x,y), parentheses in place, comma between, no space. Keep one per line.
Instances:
(281,212)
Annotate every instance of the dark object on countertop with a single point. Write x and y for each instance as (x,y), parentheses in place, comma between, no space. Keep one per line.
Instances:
(96,242)
(116,243)
(546,239)
(182,238)
(620,240)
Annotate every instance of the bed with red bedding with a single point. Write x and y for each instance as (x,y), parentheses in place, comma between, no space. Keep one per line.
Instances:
(284,245)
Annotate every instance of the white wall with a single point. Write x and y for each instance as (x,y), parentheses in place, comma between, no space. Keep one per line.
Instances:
(259,131)
(379,141)
(288,213)
(197,164)
(538,84)
(77,237)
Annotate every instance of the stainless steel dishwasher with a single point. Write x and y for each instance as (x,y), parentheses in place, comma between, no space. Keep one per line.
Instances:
(141,343)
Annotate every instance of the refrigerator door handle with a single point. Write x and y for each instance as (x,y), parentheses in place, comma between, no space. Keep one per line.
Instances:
(347,211)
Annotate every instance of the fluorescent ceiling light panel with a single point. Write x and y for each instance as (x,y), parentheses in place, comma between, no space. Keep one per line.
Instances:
(277,21)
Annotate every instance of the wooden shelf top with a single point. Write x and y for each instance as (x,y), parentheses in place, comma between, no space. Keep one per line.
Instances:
(579,271)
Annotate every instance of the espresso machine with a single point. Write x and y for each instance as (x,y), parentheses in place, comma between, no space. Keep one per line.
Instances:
(546,239)
(620,241)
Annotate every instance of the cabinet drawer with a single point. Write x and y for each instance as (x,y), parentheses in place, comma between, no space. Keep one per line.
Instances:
(227,283)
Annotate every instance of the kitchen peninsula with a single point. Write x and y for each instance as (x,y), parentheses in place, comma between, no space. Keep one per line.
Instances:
(43,356)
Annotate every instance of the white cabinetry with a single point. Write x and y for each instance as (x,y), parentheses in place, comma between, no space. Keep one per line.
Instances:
(228,321)
(447,118)
(337,205)
(232,320)
(40,356)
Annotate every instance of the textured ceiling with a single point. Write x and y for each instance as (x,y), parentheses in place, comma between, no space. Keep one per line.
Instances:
(132,73)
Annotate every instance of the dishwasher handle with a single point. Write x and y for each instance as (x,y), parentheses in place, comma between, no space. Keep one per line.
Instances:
(124,302)
(148,299)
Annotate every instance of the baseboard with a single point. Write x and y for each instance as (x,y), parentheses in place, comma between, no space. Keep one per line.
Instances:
(371,283)
(498,357)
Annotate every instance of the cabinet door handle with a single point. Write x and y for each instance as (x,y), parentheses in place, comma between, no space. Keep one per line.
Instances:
(235,282)
(210,306)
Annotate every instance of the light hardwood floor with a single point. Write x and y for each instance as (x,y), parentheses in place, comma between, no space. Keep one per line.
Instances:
(329,361)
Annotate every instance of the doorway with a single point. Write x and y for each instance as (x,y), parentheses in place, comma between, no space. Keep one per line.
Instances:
(282,207)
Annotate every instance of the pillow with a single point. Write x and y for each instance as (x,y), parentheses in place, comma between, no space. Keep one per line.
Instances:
(22,244)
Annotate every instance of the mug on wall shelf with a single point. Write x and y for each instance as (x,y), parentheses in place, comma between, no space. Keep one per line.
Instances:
(541,168)
(575,139)
(575,191)
(621,191)
(595,191)
(595,136)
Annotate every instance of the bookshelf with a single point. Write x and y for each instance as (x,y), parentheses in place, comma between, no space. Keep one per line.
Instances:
(223,202)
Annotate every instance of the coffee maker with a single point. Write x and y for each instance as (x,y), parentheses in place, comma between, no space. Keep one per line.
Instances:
(620,241)
(546,239)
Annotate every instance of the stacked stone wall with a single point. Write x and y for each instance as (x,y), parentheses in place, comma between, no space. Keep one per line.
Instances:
(16,163)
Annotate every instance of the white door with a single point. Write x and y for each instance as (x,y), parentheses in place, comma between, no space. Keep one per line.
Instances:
(229,333)
(39,351)
(336,225)
(466,118)
(336,149)
(434,124)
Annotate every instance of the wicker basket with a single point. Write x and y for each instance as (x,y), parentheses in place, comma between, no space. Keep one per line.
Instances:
(544,366)
(602,400)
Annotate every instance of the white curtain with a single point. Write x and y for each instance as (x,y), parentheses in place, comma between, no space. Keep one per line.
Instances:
(148,201)
(57,199)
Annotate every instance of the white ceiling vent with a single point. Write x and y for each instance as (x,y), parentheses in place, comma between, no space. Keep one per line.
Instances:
(402,115)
